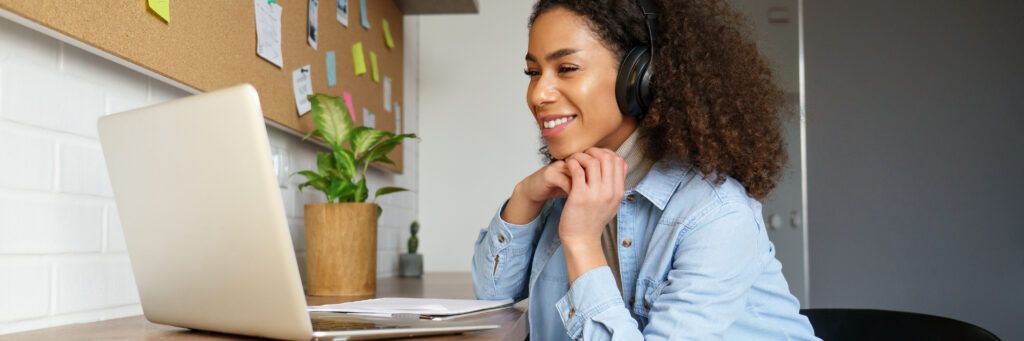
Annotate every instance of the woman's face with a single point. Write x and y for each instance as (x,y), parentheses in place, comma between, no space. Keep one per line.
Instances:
(572,86)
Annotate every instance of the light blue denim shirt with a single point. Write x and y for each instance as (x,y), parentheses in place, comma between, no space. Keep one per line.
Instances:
(695,263)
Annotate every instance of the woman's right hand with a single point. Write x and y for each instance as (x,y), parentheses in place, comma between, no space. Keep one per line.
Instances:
(551,181)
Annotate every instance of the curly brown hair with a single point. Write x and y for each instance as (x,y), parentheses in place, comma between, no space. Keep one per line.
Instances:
(715,103)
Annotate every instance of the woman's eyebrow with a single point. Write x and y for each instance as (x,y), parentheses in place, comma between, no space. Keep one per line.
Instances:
(553,55)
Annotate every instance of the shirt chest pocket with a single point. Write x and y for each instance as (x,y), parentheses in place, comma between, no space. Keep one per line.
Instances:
(647,292)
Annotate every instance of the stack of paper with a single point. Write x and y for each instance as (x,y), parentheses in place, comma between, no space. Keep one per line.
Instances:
(404,307)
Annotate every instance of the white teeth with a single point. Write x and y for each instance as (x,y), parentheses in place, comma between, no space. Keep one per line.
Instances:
(556,122)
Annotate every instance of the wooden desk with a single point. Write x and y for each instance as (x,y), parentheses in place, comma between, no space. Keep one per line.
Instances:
(435,285)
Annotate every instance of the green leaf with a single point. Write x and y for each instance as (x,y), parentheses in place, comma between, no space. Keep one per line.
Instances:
(345,163)
(341,189)
(361,191)
(331,118)
(326,165)
(382,149)
(387,190)
(364,139)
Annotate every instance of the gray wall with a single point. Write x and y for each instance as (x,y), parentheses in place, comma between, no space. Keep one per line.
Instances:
(915,160)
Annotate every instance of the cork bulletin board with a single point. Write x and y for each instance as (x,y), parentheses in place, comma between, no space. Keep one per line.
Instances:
(208,45)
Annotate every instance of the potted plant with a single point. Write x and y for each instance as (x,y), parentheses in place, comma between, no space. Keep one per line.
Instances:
(411,264)
(341,234)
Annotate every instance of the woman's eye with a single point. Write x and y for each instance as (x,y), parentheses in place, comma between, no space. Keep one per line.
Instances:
(531,73)
(566,69)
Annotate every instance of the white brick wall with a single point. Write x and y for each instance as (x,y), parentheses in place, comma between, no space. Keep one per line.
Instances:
(62,251)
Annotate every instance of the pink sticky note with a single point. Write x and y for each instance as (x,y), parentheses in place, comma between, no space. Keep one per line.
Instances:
(348,103)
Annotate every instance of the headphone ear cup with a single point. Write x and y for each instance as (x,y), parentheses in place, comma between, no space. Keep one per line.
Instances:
(632,85)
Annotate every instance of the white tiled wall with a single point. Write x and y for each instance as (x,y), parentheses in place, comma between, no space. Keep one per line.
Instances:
(62,252)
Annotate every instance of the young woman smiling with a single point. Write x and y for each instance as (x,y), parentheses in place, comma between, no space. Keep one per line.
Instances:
(644,225)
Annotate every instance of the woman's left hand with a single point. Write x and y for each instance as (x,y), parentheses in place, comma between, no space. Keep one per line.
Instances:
(598,177)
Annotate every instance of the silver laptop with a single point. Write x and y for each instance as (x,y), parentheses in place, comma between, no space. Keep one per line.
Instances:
(205,225)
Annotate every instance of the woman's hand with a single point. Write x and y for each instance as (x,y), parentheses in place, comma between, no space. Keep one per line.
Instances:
(598,180)
(528,197)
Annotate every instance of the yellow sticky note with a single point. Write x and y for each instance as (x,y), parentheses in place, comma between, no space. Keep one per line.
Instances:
(373,64)
(358,62)
(162,8)
(387,34)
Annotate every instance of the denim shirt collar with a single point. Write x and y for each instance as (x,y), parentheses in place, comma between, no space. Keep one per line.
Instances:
(661,181)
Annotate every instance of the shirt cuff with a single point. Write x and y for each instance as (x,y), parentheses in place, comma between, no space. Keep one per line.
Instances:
(590,295)
(515,237)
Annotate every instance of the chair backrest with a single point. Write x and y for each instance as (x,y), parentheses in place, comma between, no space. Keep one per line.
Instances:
(880,325)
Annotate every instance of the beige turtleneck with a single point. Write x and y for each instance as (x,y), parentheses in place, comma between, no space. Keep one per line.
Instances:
(638,168)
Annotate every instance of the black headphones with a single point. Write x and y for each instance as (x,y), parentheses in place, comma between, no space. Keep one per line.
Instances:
(633,85)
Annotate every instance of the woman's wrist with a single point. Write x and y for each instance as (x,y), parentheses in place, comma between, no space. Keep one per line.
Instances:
(520,210)
(582,255)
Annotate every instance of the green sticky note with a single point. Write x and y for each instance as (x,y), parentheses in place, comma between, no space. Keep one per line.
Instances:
(373,64)
(358,62)
(387,34)
(161,8)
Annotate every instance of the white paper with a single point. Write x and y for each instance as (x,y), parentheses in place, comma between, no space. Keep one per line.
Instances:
(268,32)
(387,93)
(311,30)
(422,306)
(369,119)
(398,118)
(303,87)
(342,12)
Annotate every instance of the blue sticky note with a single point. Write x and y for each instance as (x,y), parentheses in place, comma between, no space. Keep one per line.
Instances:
(362,14)
(332,77)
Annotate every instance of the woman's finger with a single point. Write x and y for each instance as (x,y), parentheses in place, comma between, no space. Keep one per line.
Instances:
(620,176)
(607,159)
(579,181)
(592,167)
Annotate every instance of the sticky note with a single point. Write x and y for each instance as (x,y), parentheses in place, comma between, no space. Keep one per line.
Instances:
(358,61)
(332,77)
(369,119)
(398,118)
(348,103)
(363,17)
(268,32)
(342,12)
(387,93)
(387,34)
(373,65)
(302,86)
(163,8)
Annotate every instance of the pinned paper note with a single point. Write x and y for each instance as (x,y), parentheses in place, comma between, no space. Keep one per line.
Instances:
(161,8)
(348,103)
(311,23)
(387,34)
(363,17)
(303,87)
(387,93)
(373,65)
(358,61)
(268,32)
(332,76)
(369,119)
(398,118)
(342,12)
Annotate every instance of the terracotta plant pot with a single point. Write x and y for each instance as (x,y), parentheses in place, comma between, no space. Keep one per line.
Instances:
(341,249)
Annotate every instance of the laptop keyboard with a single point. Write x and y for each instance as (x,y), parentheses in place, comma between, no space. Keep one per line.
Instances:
(325,325)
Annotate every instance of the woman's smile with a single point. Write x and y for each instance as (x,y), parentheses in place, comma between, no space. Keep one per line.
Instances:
(552,125)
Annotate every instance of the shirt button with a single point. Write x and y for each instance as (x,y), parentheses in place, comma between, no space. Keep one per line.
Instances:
(572,312)
(647,305)
(501,238)
(627,243)
(632,302)
(631,197)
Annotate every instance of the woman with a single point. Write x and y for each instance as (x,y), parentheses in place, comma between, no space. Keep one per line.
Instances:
(646,223)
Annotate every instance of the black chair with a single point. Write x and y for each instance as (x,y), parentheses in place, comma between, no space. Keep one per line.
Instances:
(881,325)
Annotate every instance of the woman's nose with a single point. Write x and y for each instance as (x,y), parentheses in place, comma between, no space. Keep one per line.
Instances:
(543,92)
